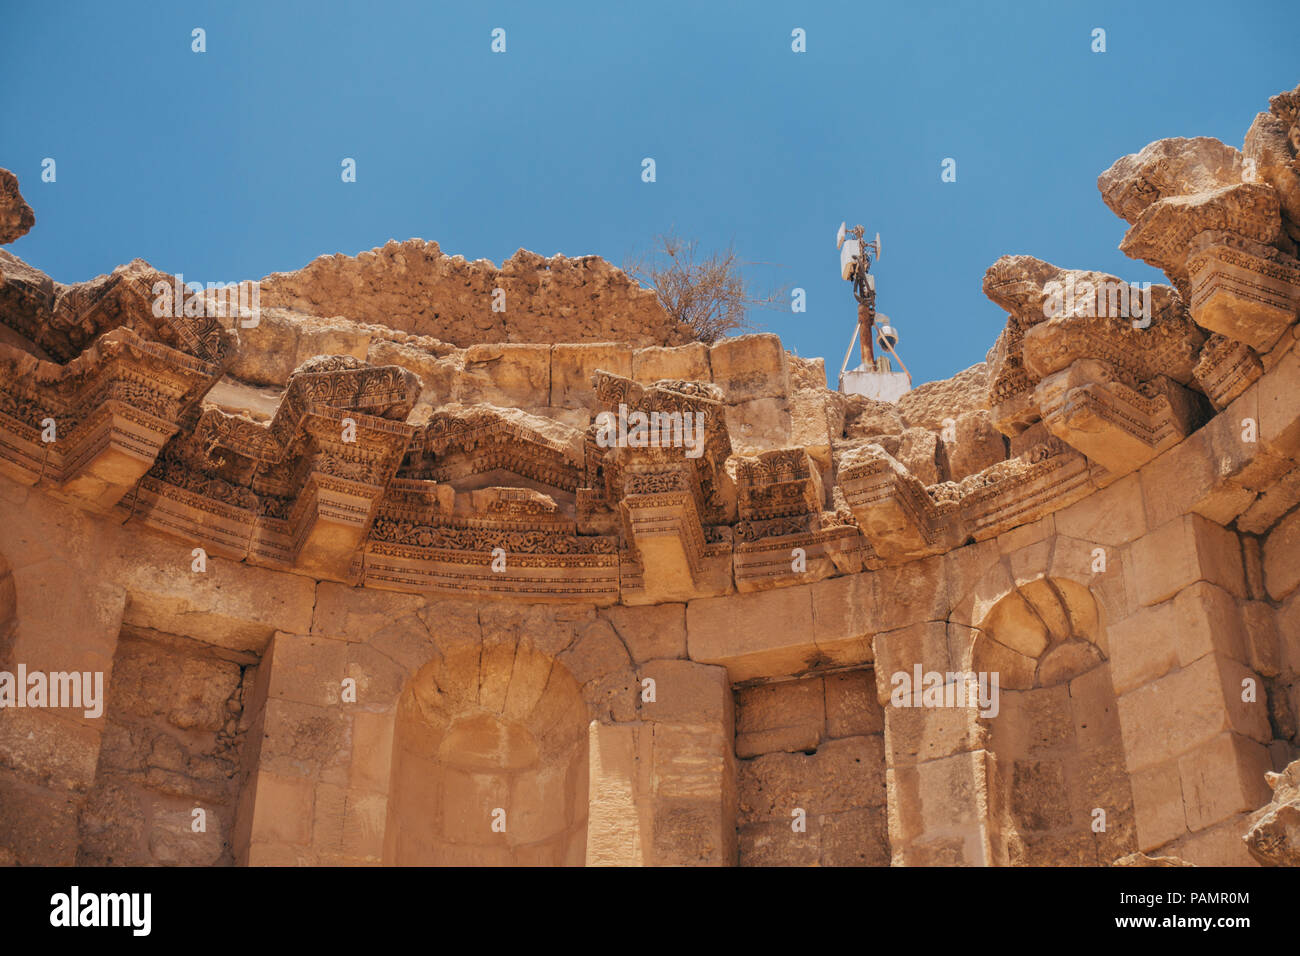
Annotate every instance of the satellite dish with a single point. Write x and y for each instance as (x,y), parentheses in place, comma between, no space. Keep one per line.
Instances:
(839,236)
(878,249)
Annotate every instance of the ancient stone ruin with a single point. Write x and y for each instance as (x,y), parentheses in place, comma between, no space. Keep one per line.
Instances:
(378,573)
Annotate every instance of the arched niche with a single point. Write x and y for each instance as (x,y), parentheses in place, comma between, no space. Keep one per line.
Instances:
(1060,793)
(490,764)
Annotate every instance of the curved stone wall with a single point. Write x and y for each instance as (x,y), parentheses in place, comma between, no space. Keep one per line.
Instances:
(433,603)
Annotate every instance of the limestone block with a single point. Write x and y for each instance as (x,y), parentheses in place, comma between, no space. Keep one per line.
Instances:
(1262,642)
(309,670)
(749,367)
(1219,845)
(1210,620)
(939,811)
(573,365)
(1170,716)
(651,632)
(231,605)
(1222,777)
(1272,835)
(269,350)
(614,830)
(844,616)
(855,838)
(908,593)
(693,833)
(1088,588)
(1144,646)
(1272,504)
(759,424)
(812,427)
(777,844)
(1183,551)
(844,774)
(929,404)
(372,752)
(919,452)
(851,705)
(1278,401)
(684,363)
(694,796)
(687,693)
(1114,515)
(914,735)
(1245,290)
(597,652)
(898,652)
(340,611)
(1288,626)
(49,749)
(784,716)
(1016,671)
(691,762)
(1167,167)
(1096,409)
(1282,557)
(1158,805)
(378,680)
(974,445)
(1162,233)
(538,804)
(1015,624)
(307,741)
(283,810)
(16,216)
(513,376)
(1095,711)
(38,826)
(762,634)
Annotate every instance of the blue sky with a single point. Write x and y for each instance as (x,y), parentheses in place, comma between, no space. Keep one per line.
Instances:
(226,165)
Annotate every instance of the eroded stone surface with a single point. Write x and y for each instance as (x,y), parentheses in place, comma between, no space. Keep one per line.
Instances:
(364,573)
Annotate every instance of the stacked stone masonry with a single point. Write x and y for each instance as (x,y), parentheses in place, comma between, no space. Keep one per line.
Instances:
(367,582)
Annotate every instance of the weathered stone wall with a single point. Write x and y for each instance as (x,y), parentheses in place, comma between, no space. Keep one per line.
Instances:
(670,779)
(412,286)
(172,741)
(814,745)
(367,597)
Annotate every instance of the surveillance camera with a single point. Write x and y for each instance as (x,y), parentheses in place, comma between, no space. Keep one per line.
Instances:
(886,336)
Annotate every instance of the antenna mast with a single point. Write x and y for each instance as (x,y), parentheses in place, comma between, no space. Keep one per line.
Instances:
(856,257)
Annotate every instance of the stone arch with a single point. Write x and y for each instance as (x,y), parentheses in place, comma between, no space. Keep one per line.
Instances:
(1055,738)
(478,743)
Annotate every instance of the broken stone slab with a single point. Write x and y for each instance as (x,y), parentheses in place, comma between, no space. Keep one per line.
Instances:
(1246,290)
(1167,167)
(1274,834)
(1161,235)
(16,217)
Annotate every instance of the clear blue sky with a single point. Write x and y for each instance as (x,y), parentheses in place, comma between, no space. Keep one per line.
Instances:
(226,165)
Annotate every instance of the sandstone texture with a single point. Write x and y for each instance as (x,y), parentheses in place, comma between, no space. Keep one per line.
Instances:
(418,561)
(16,217)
